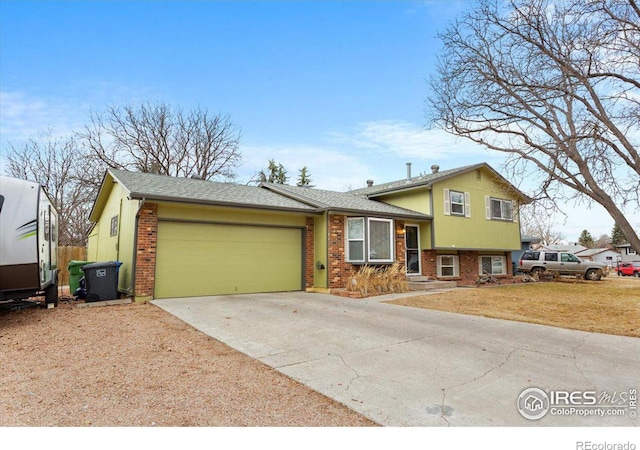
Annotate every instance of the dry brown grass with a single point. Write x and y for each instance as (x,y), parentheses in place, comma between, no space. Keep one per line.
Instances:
(610,306)
(371,280)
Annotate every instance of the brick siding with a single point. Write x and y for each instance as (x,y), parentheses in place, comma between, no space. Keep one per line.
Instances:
(147,241)
(468,261)
(339,269)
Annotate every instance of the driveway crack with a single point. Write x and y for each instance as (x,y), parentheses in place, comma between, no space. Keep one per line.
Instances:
(575,359)
(443,408)
(357,375)
(497,366)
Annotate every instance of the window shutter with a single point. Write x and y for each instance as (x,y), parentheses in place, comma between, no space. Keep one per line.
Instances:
(447,202)
(514,211)
(456,266)
(467,204)
(487,207)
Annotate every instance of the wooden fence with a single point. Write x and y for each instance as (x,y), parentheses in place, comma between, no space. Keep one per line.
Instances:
(66,254)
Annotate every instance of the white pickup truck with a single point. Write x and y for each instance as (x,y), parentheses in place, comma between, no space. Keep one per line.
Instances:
(564,263)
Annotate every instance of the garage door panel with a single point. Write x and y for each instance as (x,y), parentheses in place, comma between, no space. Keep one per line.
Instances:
(208,259)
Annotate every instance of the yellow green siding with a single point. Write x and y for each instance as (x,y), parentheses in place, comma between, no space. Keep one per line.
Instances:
(475,232)
(102,246)
(415,200)
(425,236)
(92,245)
(229,215)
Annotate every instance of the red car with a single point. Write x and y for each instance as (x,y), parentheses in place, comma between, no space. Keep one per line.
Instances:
(629,268)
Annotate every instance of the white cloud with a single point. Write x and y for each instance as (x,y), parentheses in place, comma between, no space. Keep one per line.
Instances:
(408,140)
(329,168)
(373,150)
(24,116)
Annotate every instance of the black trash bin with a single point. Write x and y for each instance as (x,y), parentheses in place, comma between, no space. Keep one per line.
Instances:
(101,280)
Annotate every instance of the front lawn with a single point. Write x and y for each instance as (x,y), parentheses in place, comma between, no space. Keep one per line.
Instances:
(609,306)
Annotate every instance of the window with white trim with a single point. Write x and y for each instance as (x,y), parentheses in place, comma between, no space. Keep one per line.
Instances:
(499,209)
(373,234)
(493,265)
(355,239)
(380,240)
(448,266)
(456,203)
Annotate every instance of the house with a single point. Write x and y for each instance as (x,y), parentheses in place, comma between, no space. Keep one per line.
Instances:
(526,243)
(627,253)
(570,247)
(601,255)
(181,237)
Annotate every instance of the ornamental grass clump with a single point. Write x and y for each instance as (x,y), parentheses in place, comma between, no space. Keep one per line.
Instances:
(372,280)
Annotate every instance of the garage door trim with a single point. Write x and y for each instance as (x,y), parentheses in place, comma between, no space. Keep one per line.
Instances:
(303,236)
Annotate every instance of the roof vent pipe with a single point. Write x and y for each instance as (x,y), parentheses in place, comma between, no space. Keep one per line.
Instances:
(369,183)
(435,168)
(196,177)
(408,171)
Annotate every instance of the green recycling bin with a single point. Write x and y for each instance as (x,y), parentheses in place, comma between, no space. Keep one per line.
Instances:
(75,273)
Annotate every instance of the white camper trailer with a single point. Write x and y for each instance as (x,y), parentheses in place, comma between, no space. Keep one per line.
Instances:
(28,242)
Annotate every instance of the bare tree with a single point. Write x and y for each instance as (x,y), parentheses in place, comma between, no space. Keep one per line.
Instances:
(604,241)
(58,165)
(555,85)
(538,222)
(160,139)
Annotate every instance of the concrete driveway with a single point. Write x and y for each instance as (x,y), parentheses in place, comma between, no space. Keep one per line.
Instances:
(404,366)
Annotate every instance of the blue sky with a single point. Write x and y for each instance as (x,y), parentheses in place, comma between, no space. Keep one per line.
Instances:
(337,86)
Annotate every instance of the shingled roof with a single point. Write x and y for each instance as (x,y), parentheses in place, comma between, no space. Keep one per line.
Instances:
(413,182)
(347,202)
(152,187)
(427,180)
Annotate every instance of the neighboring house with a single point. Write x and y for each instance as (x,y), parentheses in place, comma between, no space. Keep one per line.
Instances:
(180,237)
(526,243)
(571,247)
(601,255)
(627,253)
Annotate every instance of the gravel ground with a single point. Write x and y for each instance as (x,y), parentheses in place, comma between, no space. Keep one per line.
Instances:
(136,365)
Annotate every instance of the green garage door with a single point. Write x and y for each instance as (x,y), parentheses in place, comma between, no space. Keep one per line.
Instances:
(206,259)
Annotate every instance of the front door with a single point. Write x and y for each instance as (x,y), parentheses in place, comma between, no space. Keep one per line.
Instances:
(412,249)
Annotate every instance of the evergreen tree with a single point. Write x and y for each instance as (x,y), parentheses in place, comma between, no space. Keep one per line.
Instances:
(586,239)
(617,237)
(274,173)
(304,179)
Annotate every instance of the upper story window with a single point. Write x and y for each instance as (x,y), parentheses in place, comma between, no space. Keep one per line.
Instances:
(369,240)
(499,209)
(457,203)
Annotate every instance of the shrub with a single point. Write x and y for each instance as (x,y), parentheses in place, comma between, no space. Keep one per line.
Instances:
(372,280)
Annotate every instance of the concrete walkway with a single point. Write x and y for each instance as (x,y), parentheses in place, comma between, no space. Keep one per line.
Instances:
(404,366)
